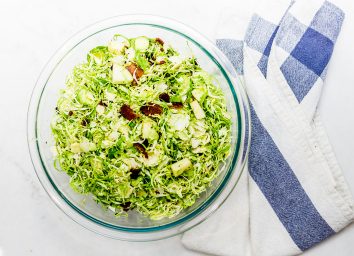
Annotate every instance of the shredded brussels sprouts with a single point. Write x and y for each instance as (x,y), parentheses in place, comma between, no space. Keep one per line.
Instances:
(140,127)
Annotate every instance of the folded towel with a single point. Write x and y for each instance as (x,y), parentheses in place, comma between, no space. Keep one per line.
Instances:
(293,195)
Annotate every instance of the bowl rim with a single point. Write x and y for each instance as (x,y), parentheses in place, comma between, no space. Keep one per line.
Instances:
(59,56)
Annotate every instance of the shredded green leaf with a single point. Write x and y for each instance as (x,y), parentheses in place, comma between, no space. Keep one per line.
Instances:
(179,150)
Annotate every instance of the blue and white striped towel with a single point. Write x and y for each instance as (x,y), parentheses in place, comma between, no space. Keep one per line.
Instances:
(294,195)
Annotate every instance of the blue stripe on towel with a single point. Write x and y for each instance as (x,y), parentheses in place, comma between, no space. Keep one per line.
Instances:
(328,20)
(278,183)
(263,62)
(259,33)
(233,49)
(313,49)
(299,77)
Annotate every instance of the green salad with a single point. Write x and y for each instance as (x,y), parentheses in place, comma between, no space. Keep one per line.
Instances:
(140,127)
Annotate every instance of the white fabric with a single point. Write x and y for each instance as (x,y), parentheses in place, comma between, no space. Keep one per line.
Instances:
(247,224)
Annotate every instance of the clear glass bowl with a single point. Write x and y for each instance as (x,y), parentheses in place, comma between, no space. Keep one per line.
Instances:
(135,227)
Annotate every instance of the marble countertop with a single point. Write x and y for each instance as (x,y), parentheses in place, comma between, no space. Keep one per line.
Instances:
(30,224)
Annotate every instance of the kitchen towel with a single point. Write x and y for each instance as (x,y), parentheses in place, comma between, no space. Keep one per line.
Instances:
(293,195)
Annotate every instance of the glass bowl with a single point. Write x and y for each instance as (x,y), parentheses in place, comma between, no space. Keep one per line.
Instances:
(81,208)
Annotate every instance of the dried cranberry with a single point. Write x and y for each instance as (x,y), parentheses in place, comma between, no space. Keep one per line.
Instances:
(134,173)
(135,71)
(177,105)
(127,112)
(141,149)
(160,41)
(151,109)
(164,97)
(85,122)
(126,206)
(102,103)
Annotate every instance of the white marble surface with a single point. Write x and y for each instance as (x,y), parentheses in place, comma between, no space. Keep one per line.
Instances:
(30,31)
